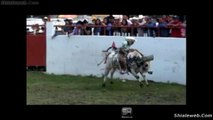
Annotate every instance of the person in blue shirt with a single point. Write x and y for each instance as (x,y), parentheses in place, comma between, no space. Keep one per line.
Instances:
(163,30)
(67,29)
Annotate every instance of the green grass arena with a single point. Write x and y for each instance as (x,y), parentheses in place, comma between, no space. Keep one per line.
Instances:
(46,89)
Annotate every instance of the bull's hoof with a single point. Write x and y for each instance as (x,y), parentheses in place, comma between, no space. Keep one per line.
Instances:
(137,77)
(111,82)
(103,85)
(141,85)
(150,72)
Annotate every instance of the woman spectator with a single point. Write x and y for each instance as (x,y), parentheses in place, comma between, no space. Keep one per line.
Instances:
(134,25)
(126,17)
(109,30)
(98,29)
(124,26)
(104,24)
(117,24)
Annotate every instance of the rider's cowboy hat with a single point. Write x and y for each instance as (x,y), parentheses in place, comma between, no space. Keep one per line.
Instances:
(45,18)
(175,17)
(130,38)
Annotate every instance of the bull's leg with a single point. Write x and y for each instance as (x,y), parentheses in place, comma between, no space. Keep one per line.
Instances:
(137,77)
(111,75)
(105,77)
(134,74)
(140,82)
(144,78)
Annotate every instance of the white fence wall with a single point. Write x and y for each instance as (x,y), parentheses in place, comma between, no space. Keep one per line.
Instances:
(79,55)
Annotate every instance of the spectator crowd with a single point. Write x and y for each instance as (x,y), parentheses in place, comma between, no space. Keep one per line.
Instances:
(150,26)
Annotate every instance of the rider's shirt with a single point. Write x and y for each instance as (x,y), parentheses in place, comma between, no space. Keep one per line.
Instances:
(125,45)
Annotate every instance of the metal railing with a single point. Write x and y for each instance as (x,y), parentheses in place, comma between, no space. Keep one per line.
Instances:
(130,32)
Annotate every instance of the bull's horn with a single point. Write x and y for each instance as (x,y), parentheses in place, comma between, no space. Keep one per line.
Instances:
(148,58)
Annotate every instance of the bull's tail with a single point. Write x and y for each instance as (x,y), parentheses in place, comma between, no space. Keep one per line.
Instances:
(101,62)
(104,59)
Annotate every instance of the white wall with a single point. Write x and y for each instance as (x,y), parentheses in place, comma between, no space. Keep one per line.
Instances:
(79,55)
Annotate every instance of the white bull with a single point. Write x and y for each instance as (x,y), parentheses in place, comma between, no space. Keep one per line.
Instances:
(136,64)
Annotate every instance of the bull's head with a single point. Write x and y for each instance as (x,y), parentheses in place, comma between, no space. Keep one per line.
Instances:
(146,65)
(145,62)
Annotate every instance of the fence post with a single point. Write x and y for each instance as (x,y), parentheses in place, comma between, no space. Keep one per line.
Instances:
(50,31)
(158,31)
(131,31)
(104,30)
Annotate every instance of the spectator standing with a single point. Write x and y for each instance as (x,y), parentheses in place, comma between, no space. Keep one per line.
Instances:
(124,27)
(109,30)
(85,29)
(67,29)
(35,29)
(162,27)
(183,29)
(117,24)
(126,17)
(43,28)
(104,23)
(134,30)
(141,22)
(151,26)
(98,30)
(175,26)
(77,29)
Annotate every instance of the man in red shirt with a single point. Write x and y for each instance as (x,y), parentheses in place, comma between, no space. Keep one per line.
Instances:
(175,26)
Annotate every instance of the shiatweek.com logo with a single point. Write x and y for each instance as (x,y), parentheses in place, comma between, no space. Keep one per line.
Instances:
(24,2)
(126,112)
(196,115)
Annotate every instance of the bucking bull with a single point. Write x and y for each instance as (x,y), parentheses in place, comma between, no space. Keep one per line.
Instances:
(136,63)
